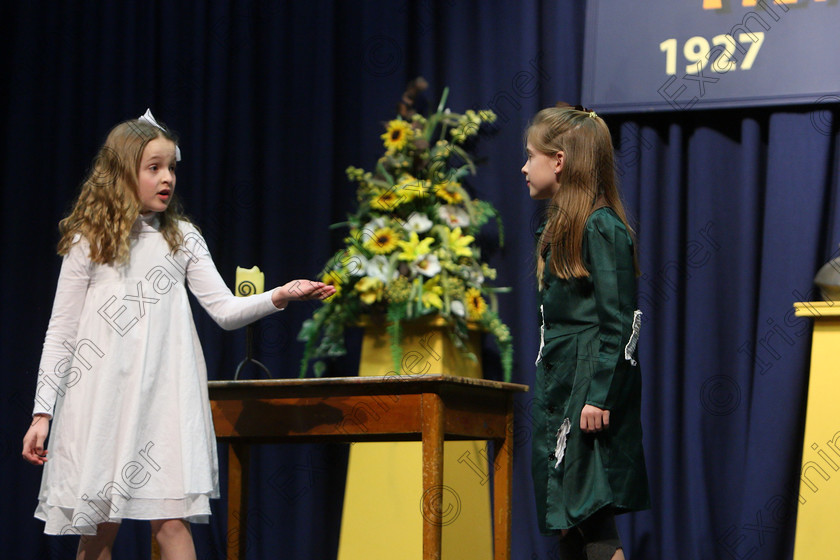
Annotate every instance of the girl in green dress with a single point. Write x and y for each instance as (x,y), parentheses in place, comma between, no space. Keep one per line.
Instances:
(587,462)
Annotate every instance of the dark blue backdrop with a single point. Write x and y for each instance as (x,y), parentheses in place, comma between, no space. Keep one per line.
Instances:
(735,211)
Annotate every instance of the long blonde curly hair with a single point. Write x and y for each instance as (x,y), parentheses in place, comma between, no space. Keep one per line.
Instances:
(587,182)
(108,204)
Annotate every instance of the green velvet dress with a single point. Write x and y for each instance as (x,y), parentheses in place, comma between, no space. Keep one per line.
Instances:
(588,356)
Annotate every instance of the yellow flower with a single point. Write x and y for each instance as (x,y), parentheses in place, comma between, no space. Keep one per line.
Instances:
(370,289)
(454,288)
(409,188)
(399,290)
(384,241)
(386,200)
(459,244)
(413,249)
(487,115)
(354,173)
(432,292)
(499,329)
(450,191)
(489,273)
(443,148)
(468,125)
(476,306)
(397,135)
(332,278)
(471,116)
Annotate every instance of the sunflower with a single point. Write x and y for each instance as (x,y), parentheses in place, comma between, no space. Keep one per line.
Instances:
(387,200)
(397,135)
(332,278)
(383,241)
(410,188)
(476,306)
(450,191)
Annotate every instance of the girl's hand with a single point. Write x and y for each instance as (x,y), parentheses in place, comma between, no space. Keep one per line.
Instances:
(33,441)
(298,290)
(594,419)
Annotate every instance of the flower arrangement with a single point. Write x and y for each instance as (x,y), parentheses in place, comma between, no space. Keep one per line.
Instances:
(411,248)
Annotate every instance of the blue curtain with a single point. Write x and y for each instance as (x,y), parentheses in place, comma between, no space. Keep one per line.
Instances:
(735,211)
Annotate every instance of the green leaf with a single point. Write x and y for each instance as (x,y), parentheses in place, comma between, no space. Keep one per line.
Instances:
(442,104)
(467,159)
(395,316)
(381,169)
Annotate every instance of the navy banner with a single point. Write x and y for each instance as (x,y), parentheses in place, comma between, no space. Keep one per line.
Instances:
(663,55)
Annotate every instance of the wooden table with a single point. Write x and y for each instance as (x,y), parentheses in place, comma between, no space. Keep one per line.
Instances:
(392,408)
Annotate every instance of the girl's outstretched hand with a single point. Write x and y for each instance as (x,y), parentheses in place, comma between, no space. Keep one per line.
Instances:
(297,290)
(33,441)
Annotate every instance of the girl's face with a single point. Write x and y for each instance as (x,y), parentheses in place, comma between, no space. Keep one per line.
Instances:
(156,178)
(541,172)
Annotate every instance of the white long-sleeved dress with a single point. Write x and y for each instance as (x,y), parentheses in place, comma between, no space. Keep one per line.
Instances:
(123,375)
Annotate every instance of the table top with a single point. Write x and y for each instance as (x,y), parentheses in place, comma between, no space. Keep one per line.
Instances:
(358,408)
(360,386)
(391,384)
(817,309)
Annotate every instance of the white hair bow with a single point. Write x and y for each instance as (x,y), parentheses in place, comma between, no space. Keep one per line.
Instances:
(149,118)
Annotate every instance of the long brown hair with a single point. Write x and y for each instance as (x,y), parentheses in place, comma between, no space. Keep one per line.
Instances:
(108,204)
(587,182)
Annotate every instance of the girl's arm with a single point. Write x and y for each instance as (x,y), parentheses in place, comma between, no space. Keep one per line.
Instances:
(231,312)
(59,344)
(60,341)
(609,256)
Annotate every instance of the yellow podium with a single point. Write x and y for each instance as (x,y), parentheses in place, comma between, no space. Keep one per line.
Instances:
(384,501)
(819,495)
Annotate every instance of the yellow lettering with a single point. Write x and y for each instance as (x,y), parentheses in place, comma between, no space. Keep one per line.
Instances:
(718,4)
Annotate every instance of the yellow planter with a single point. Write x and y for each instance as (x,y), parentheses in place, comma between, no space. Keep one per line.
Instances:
(382,516)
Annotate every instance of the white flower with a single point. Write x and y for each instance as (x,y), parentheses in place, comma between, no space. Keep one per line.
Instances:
(418,222)
(457,307)
(356,264)
(454,216)
(427,265)
(473,275)
(377,267)
(370,227)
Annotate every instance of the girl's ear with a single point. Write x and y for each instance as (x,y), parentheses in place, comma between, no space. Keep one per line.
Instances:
(559,161)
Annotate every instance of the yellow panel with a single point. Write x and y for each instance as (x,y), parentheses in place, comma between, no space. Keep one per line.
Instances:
(819,490)
(382,516)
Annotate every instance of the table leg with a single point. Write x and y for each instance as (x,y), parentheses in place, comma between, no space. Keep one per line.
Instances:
(237,537)
(432,499)
(503,487)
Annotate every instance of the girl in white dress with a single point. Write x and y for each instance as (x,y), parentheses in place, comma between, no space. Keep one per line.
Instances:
(122,374)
